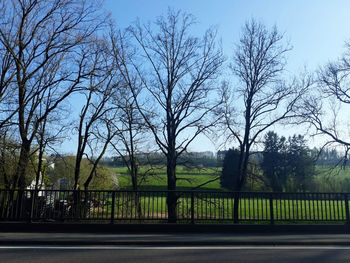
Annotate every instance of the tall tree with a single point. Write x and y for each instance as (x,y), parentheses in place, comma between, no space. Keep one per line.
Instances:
(42,38)
(131,130)
(177,72)
(96,114)
(129,122)
(258,63)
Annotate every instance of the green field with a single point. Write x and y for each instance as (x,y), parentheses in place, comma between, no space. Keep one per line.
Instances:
(326,179)
(331,179)
(157,180)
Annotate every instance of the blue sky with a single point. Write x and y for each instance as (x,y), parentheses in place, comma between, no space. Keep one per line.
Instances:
(316,29)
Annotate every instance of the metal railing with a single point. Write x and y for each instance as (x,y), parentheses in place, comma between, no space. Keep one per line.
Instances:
(192,206)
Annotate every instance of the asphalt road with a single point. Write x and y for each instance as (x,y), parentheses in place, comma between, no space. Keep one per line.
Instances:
(172,239)
(175,254)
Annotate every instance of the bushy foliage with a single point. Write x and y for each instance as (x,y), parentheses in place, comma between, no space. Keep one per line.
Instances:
(9,155)
(228,179)
(287,164)
(64,170)
(230,169)
(274,160)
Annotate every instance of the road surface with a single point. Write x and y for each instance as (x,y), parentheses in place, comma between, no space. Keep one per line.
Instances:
(201,254)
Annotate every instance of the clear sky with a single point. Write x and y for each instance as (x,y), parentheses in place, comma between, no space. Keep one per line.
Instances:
(317,29)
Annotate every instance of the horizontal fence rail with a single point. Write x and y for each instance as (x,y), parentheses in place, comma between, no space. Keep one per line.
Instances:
(192,206)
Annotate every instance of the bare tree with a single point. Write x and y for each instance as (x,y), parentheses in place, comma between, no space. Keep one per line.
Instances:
(103,135)
(325,108)
(258,62)
(7,77)
(177,72)
(130,137)
(42,38)
(7,94)
(50,133)
(100,89)
(129,123)
(130,127)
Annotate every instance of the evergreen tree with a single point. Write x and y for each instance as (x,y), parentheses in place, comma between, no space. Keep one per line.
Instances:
(287,164)
(300,163)
(229,173)
(274,161)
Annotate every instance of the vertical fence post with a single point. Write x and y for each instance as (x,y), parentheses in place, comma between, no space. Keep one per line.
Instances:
(192,207)
(236,207)
(113,207)
(32,200)
(346,200)
(271,209)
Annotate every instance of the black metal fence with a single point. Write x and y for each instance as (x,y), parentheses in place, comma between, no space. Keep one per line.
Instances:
(192,206)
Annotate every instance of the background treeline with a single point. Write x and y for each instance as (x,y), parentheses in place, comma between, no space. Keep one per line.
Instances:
(323,157)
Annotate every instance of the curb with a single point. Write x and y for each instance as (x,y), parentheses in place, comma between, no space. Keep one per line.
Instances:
(171,243)
(170,228)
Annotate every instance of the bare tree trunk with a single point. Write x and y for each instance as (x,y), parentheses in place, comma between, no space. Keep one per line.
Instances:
(22,165)
(171,164)
(3,169)
(134,177)
(82,140)
(40,164)
(172,196)
(77,171)
(241,178)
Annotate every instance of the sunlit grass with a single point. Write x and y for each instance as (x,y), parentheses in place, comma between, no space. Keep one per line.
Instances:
(156,178)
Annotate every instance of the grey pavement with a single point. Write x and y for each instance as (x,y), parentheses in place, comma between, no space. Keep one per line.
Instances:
(175,255)
(174,239)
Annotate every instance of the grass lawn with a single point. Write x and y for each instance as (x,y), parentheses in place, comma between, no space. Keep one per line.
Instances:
(333,171)
(326,179)
(332,179)
(187,179)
